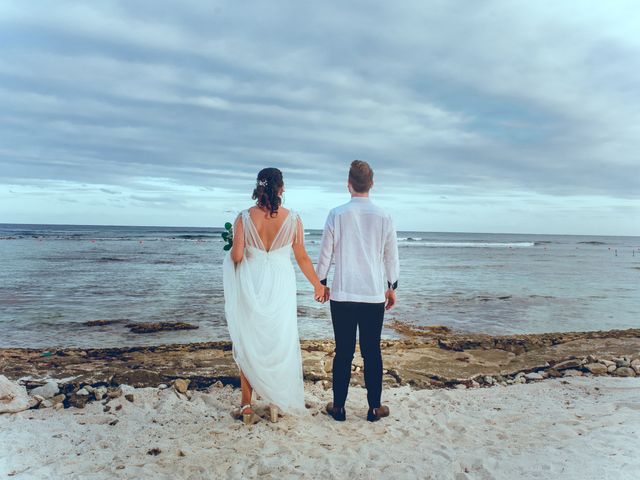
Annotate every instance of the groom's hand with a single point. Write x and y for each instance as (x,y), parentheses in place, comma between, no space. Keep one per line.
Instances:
(390,297)
(327,293)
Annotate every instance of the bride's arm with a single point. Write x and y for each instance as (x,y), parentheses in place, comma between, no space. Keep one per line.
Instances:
(237,251)
(305,264)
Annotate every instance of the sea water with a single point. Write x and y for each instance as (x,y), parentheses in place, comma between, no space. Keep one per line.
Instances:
(54,278)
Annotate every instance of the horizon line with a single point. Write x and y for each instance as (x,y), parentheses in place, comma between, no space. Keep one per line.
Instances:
(417,231)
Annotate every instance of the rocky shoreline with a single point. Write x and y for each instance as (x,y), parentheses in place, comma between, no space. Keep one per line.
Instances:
(430,357)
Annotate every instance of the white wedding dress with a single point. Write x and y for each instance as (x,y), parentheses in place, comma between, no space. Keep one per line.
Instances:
(261,312)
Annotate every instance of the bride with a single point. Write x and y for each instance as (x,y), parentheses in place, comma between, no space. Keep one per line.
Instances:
(260,299)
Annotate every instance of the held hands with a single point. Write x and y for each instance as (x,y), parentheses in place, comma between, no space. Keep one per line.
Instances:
(390,296)
(321,293)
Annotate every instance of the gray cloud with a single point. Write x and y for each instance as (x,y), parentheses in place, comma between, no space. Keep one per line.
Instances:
(541,97)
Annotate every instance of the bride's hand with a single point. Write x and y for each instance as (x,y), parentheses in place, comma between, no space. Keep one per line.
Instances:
(320,293)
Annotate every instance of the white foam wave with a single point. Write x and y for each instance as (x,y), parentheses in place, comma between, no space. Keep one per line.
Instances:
(409,243)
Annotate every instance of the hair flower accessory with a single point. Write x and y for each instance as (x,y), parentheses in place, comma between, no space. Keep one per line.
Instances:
(263,183)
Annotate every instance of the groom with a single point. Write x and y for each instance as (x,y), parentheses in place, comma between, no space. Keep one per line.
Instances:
(360,237)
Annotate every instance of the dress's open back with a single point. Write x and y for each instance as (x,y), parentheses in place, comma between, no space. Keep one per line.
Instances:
(261,312)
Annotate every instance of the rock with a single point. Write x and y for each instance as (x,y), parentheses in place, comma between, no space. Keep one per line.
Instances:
(520,379)
(596,368)
(129,397)
(328,365)
(553,373)
(636,368)
(611,368)
(533,376)
(77,400)
(82,392)
(99,392)
(114,392)
(138,378)
(46,404)
(606,362)
(160,327)
(89,388)
(163,386)
(571,363)
(488,379)
(591,359)
(58,399)
(623,362)
(38,399)
(13,397)
(58,406)
(544,374)
(181,385)
(474,384)
(48,390)
(573,373)
(100,323)
(314,376)
(624,372)
(460,386)
(635,361)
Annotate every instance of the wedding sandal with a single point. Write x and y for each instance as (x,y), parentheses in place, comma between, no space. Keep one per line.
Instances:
(273,413)
(248,415)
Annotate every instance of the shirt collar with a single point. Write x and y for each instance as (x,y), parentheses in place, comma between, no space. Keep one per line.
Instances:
(360,199)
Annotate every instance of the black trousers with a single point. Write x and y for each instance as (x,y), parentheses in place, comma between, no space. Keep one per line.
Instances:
(367,318)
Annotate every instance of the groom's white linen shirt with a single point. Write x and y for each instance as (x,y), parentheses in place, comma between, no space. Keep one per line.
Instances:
(361,239)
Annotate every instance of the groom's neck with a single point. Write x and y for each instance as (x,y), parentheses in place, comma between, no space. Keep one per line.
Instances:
(355,195)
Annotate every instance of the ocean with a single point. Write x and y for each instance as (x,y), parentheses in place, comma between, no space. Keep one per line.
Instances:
(54,278)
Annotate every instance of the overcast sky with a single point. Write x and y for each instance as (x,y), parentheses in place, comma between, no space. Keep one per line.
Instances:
(483,116)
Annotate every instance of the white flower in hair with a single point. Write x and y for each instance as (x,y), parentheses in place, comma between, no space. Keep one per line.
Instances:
(263,183)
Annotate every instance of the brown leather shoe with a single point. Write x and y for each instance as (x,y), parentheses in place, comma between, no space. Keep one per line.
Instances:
(338,414)
(375,414)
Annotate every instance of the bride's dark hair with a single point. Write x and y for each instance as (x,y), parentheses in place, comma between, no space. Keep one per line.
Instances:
(268,186)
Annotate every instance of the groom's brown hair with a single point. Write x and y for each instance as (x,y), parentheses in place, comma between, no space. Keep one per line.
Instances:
(361,176)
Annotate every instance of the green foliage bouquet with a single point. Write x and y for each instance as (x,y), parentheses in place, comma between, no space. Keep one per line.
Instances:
(228,236)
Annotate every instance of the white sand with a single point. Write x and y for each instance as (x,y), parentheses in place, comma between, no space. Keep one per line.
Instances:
(586,428)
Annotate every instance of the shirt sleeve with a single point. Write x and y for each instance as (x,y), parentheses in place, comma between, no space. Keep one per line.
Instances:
(391,262)
(326,250)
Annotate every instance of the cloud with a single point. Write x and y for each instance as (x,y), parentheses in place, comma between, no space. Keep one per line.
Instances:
(540,97)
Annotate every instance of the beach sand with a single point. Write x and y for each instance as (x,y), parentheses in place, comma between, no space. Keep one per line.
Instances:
(562,428)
